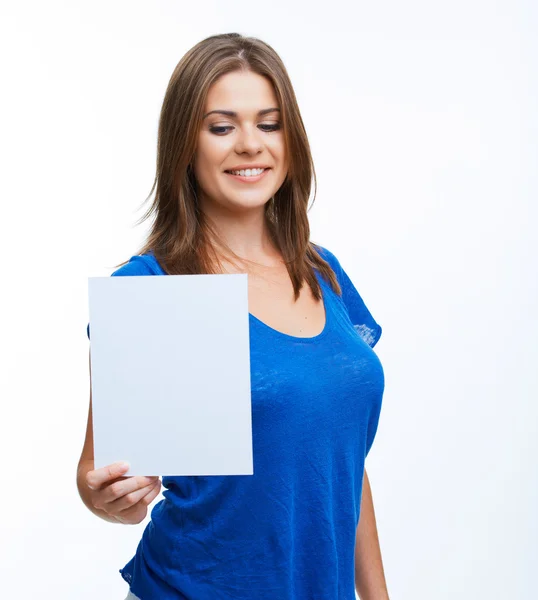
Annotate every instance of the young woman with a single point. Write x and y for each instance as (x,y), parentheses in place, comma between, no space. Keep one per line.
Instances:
(234,174)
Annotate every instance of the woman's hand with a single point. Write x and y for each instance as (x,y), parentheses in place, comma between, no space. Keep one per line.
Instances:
(125,499)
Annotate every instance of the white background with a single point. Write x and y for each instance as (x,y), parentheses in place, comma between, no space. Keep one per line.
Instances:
(422,121)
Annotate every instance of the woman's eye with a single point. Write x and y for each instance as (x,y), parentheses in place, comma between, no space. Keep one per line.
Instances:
(265,127)
(219,130)
(272,127)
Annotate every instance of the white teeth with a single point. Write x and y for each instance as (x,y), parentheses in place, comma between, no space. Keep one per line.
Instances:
(248,172)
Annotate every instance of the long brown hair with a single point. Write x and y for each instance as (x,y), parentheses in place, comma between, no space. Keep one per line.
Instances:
(181,239)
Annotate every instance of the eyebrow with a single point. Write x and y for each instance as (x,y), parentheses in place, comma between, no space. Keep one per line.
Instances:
(231,113)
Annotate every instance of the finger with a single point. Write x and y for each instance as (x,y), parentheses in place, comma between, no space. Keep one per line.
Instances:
(157,486)
(134,515)
(129,500)
(96,478)
(128,485)
(148,498)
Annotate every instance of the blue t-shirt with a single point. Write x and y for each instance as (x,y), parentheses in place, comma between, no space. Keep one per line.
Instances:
(287,532)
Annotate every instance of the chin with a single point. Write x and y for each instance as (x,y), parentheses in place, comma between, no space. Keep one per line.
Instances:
(253,200)
(243,206)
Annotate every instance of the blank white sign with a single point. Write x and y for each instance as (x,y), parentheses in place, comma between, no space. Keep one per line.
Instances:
(170,360)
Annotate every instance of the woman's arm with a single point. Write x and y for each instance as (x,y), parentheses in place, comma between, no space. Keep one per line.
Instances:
(369,575)
(86,463)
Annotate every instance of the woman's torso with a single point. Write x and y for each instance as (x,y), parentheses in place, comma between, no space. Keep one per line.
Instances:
(288,531)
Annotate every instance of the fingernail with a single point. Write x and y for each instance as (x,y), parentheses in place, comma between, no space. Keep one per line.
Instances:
(123,464)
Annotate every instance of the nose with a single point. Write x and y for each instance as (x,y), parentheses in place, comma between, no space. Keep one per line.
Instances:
(249,141)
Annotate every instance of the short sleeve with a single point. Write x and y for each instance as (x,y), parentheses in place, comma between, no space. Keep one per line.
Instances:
(137,265)
(359,315)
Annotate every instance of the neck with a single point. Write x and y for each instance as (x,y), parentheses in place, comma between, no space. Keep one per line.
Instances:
(246,234)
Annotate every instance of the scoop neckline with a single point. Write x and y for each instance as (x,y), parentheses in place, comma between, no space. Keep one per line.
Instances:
(282,334)
(296,338)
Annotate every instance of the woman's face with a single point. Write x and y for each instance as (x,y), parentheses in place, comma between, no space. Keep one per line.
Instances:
(238,141)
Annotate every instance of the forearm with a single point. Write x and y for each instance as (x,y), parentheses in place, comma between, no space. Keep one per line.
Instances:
(83,467)
(369,574)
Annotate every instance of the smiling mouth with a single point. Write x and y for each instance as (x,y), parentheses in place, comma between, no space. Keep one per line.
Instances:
(238,174)
(248,178)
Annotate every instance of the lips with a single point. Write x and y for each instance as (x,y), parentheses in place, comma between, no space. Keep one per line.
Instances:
(247,168)
(250,179)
